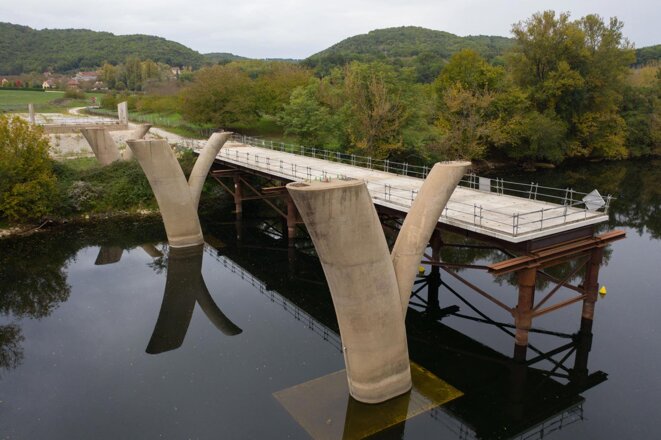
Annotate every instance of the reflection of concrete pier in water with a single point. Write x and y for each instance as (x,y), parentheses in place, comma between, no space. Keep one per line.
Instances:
(184,288)
(503,395)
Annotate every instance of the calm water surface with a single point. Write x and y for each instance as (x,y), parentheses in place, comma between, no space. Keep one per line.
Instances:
(106,333)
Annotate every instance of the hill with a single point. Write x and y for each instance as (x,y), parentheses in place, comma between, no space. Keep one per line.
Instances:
(647,54)
(226,57)
(23,49)
(426,50)
(222,57)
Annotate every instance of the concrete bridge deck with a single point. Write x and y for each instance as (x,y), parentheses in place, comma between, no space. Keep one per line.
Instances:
(484,209)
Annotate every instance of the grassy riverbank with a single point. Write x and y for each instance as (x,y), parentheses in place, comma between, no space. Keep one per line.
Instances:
(44,102)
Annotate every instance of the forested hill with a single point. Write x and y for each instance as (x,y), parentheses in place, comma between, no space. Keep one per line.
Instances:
(23,49)
(222,57)
(646,54)
(424,49)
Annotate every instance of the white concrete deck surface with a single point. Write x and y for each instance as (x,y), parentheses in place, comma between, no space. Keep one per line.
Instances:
(510,218)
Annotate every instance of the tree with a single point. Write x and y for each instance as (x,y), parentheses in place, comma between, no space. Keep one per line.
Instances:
(466,89)
(376,109)
(275,85)
(132,73)
(109,75)
(574,71)
(471,71)
(222,95)
(463,123)
(27,182)
(308,119)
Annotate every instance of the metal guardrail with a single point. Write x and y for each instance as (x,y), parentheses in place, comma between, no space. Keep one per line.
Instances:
(370,163)
(566,205)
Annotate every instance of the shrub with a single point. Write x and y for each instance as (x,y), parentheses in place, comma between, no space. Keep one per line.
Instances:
(27,182)
(81,195)
(74,94)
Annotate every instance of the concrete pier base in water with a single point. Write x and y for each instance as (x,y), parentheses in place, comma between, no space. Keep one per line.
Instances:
(419,224)
(177,199)
(345,228)
(324,409)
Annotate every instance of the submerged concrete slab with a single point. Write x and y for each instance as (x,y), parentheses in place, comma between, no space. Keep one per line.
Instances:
(325,410)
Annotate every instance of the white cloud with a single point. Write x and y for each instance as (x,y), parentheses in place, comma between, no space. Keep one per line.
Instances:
(298,28)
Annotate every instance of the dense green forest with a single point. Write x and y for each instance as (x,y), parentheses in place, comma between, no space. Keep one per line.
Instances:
(23,49)
(424,50)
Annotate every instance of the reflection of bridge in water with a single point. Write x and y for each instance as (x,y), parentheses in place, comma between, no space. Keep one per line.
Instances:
(504,397)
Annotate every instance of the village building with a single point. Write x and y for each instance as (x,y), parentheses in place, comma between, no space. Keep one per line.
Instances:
(49,84)
(87,76)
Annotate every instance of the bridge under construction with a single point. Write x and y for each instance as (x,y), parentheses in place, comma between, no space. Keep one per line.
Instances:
(535,227)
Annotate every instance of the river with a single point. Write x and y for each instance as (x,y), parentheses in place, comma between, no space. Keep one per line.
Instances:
(106,334)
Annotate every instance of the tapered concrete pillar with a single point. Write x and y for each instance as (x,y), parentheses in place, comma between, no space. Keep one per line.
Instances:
(169,185)
(139,133)
(203,163)
(421,221)
(184,288)
(177,199)
(347,236)
(103,145)
(123,112)
(31,115)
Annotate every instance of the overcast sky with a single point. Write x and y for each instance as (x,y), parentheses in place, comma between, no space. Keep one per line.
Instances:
(299,28)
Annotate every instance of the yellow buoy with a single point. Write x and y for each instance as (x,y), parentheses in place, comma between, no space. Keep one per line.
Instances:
(602,291)
(421,269)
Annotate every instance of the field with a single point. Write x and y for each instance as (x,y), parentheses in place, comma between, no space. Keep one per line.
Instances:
(17,101)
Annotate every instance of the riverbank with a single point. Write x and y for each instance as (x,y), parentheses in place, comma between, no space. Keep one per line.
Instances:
(82,219)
